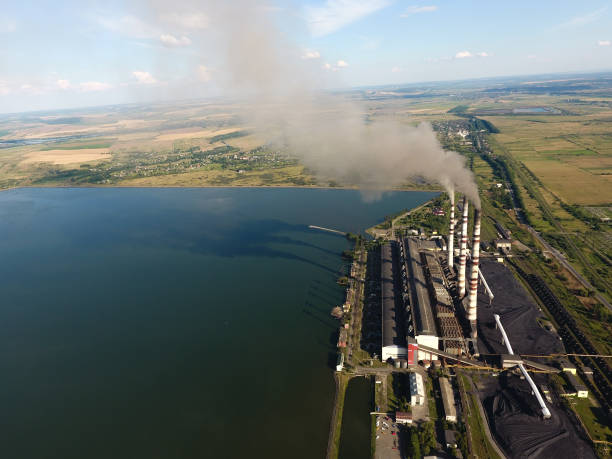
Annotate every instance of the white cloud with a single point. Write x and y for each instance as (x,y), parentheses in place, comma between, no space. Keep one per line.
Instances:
(130,26)
(89,86)
(335,14)
(584,19)
(467,54)
(463,55)
(396,70)
(418,9)
(187,20)
(144,77)
(531,56)
(603,42)
(172,41)
(63,84)
(340,64)
(204,73)
(311,54)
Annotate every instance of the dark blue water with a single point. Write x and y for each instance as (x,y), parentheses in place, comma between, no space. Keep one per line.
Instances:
(355,437)
(171,323)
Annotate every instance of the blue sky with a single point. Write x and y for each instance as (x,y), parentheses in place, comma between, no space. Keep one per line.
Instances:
(64,54)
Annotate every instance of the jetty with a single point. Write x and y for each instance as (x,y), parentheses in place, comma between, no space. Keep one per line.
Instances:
(329,230)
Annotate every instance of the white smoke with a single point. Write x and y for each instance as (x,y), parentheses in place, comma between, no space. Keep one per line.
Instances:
(286,103)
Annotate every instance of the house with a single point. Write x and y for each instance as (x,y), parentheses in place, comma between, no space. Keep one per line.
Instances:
(401,417)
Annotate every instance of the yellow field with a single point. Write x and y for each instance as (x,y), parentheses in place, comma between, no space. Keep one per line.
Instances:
(571,155)
(67,156)
(194,134)
(571,183)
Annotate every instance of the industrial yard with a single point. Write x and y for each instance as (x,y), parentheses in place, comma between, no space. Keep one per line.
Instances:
(462,356)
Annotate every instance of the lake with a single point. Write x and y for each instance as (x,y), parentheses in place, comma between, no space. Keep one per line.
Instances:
(172,323)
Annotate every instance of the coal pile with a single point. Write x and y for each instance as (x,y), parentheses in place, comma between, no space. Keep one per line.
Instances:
(518,312)
(513,415)
(512,410)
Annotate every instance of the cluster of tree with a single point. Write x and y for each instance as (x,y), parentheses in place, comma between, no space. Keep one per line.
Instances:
(354,237)
(75,176)
(501,196)
(582,214)
(421,440)
(459,109)
(480,124)
(231,135)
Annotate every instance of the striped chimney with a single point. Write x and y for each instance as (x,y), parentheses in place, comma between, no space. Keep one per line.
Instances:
(451,232)
(473,294)
(463,252)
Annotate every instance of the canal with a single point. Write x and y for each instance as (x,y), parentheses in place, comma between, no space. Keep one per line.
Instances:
(355,437)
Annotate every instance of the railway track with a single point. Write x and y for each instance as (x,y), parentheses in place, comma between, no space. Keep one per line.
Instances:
(574,339)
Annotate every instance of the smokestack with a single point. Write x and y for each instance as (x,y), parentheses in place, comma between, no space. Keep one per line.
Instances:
(451,232)
(474,277)
(463,253)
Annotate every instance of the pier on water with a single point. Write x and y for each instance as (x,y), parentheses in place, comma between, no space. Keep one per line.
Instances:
(329,230)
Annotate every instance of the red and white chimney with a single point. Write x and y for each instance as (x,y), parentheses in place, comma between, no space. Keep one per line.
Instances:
(473,293)
(463,252)
(451,232)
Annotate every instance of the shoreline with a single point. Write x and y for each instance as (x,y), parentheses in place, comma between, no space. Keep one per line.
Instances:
(161,187)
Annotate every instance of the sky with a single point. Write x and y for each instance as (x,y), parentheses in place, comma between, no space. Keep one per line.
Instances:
(65,54)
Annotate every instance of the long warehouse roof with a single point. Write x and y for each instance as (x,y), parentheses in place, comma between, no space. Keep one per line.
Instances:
(390,331)
(424,319)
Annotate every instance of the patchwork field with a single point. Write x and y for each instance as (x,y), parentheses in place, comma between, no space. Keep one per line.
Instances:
(81,156)
(572,156)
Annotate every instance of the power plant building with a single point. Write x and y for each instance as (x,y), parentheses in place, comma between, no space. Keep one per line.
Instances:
(421,317)
(394,344)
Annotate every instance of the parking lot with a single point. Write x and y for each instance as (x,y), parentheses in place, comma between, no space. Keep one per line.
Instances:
(387,438)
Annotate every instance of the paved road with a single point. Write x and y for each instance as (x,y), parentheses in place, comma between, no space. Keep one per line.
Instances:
(561,259)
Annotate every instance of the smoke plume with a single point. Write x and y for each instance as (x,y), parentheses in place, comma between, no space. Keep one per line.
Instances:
(287,104)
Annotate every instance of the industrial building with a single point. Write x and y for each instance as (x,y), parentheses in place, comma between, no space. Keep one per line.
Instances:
(450,438)
(340,362)
(418,312)
(580,389)
(505,244)
(451,333)
(567,366)
(420,320)
(510,360)
(417,389)
(448,400)
(394,344)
